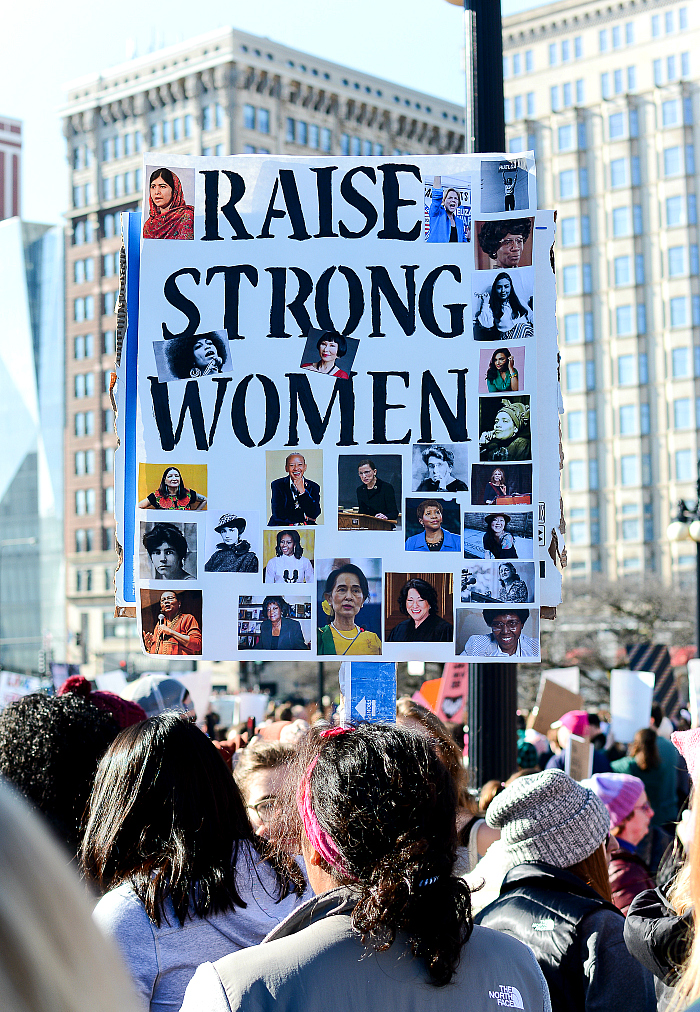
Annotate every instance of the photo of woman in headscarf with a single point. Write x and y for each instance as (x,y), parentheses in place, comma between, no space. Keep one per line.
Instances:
(330,346)
(289,564)
(345,593)
(439,461)
(509,439)
(169,216)
(510,586)
(195,356)
(499,543)
(171,494)
(278,631)
(445,224)
(501,374)
(500,315)
(419,602)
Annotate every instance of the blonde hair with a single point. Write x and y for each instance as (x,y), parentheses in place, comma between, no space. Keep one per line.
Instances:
(52,955)
(260,756)
(688,987)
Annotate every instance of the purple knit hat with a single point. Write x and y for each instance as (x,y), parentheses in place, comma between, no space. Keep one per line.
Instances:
(619,792)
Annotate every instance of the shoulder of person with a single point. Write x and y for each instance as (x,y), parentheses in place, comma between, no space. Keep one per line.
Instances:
(120,911)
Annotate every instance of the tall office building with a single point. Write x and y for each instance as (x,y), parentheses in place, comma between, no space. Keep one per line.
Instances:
(224,92)
(10,167)
(32,595)
(608,98)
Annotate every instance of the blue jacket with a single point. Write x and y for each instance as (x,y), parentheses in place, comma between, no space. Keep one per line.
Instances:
(440,223)
(417,543)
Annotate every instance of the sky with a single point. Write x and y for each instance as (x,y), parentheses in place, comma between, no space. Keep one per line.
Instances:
(417,43)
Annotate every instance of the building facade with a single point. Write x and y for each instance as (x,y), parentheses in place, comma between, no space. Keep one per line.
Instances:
(10,167)
(224,92)
(608,97)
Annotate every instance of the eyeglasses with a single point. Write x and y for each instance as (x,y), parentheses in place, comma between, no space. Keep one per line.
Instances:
(264,808)
(512,242)
(646,807)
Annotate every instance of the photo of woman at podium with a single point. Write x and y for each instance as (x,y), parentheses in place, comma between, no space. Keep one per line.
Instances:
(502,485)
(370,503)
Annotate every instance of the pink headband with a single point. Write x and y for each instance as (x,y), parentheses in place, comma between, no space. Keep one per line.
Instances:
(318,837)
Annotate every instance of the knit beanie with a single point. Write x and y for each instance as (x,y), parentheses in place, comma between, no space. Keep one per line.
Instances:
(575,721)
(124,711)
(688,744)
(548,817)
(619,792)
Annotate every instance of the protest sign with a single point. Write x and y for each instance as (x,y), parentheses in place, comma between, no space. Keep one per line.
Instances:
(553,702)
(452,694)
(631,694)
(14,685)
(578,757)
(307,388)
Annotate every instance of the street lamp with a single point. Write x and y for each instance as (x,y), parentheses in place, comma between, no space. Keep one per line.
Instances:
(9,543)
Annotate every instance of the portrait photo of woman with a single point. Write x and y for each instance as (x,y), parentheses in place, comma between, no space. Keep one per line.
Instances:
(171,494)
(438,461)
(195,356)
(445,224)
(170,216)
(233,553)
(418,601)
(175,630)
(345,593)
(289,564)
(500,314)
(498,535)
(510,482)
(434,537)
(167,550)
(498,632)
(330,347)
(504,429)
(510,586)
(502,373)
(278,631)
(498,541)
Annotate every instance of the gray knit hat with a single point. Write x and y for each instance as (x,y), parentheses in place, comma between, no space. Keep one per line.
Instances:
(548,817)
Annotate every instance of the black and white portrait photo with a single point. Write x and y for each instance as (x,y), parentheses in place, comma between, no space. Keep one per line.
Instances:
(168,551)
(439,467)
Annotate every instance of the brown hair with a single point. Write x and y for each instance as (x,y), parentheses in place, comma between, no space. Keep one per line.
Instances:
(594,872)
(645,750)
(448,749)
(490,790)
(261,755)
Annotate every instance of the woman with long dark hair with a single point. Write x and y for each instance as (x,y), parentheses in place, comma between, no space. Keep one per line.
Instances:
(501,315)
(373,811)
(501,373)
(168,845)
(169,216)
(171,494)
(196,355)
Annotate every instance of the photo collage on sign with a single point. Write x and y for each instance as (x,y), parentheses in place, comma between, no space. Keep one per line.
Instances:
(356,585)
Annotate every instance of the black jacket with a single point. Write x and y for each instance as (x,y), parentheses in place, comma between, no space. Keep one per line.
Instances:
(232,559)
(380,499)
(660,939)
(286,511)
(290,638)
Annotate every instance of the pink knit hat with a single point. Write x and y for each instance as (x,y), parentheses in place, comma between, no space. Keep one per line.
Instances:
(575,720)
(688,744)
(619,792)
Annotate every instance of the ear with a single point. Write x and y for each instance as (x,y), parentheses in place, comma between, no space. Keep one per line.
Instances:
(313,857)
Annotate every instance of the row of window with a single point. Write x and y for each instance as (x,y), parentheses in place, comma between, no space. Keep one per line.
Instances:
(174,129)
(668,70)
(84,383)
(576,231)
(615,37)
(86,500)
(622,172)
(85,539)
(82,195)
(566,49)
(669,22)
(121,184)
(256,119)
(632,370)
(84,422)
(84,461)
(355,146)
(633,420)
(297,131)
(84,582)
(519,106)
(84,270)
(84,306)
(613,82)
(562,96)
(518,63)
(119,146)
(583,474)
(218,150)
(84,344)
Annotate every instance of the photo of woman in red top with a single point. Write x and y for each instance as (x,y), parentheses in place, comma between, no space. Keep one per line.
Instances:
(169,216)
(171,494)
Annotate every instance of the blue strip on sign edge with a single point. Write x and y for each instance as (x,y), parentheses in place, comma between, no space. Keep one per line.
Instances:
(545,227)
(129,401)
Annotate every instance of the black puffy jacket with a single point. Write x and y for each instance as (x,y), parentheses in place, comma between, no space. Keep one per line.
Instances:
(660,939)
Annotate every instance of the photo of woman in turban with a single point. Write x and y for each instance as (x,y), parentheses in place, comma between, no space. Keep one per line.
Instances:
(501,374)
(197,355)
(501,315)
(509,439)
(169,216)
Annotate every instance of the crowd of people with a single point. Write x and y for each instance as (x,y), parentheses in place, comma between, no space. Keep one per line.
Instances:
(148,863)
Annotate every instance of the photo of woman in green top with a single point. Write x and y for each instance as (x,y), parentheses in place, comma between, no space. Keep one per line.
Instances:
(501,373)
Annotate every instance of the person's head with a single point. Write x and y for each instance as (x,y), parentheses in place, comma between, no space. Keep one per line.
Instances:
(162,188)
(418,599)
(169,604)
(503,241)
(645,750)
(501,293)
(548,817)
(657,715)
(167,548)
(439,460)
(295,466)
(451,200)
(429,514)
(626,801)
(275,608)
(512,419)
(157,693)
(166,816)
(688,744)
(124,711)
(331,346)
(506,626)
(171,483)
(191,356)
(260,772)
(507,571)
(498,363)
(497,477)
(49,750)
(497,523)
(490,790)
(415,717)
(367,472)
(346,590)
(230,527)
(289,544)
(375,806)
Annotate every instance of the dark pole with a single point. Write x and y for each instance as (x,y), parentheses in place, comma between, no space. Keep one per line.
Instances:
(493,688)
(321,686)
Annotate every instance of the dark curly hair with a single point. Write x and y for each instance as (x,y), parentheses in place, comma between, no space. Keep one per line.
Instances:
(492,372)
(179,352)
(439,451)
(348,567)
(426,591)
(49,750)
(167,534)
(294,535)
(522,613)
(279,601)
(167,817)
(387,801)
(493,233)
(333,335)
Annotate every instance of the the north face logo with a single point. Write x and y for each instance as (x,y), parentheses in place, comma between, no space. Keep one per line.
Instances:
(546,924)
(507,997)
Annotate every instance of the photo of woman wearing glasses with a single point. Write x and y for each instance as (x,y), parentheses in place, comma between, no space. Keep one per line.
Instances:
(503,244)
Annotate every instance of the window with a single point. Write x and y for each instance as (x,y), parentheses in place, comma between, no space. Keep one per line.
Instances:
(354,145)
(685,64)
(629,33)
(345,145)
(571,279)
(623,272)
(572,328)
(552,54)
(641,319)
(656,25)
(590,374)
(367,148)
(637,219)
(566,137)
(314,134)
(518,106)
(674,210)
(107,379)
(682,18)
(108,503)
(583,181)
(567,96)
(507,110)
(628,420)
(690,159)
(629,470)
(83,580)
(588,327)
(694,260)
(603,40)
(177,129)
(684,465)
(567,184)
(109,342)
(696,310)
(529,61)
(554,98)
(676,261)
(580,95)
(166,132)
(623,320)
(302,133)
(618,173)
(290,130)
(108,459)
(378,150)
(621,221)
(680,363)
(108,420)
(530,102)
(585,230)
(605,85)
(565,52)
(658,73)
(109,300)
(617,37)
(574,376)
(577,474)
(679,311)
(639,269)
(575,426)
(249,117)
(207,118)
(219,114)
(626,371)
(188,125)
(630,531)
(569,231)
(616,125)
(248,149)
(669,113)
(325,139)
(84,501)
(516,144)
(672,161)
(577,531)
(617,80)
(631,79)
(692,209)
(644,419)
(592,424)
(593,480)
(682,418)
(671,67)
(643,367)
(669,22)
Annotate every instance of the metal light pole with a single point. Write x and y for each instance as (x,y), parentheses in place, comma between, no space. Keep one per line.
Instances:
(9,543)
(686,525)
(493,688)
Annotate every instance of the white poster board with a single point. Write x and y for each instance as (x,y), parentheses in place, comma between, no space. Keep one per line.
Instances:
(13,686)
(694,689)
(631,694)
(569,678)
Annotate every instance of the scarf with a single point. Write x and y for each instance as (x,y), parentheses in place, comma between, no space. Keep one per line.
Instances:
(175,222)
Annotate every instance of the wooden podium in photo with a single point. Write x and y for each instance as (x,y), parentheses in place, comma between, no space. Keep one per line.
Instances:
(514,500)
(349,520)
